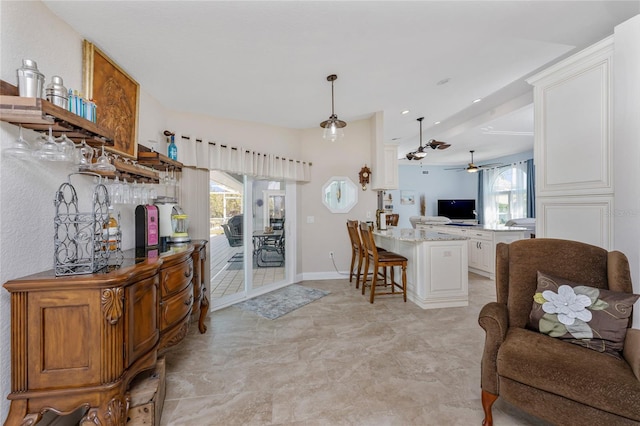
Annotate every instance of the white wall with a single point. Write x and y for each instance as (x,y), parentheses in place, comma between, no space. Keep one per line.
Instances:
(626,221)
(328,232)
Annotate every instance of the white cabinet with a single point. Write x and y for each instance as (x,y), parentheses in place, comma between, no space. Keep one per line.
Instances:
(436,270)
(384,157)
(481,244)
(573,148)
(480,254)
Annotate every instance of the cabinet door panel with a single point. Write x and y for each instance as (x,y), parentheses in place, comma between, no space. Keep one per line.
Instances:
(60,354)
(142,318)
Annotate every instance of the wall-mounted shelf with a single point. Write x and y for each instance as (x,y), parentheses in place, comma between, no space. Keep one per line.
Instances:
(156,160)
(38,114)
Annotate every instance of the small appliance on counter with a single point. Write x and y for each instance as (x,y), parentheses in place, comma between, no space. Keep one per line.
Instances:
(147,231)
(179,226)
(173,223)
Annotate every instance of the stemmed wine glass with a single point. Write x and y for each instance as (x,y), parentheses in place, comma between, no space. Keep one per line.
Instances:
(67,148)
(102,163)
(85,154)
(20,148)
(49,150)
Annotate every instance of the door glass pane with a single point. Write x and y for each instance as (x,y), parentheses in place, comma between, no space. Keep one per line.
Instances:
(226,237)
(268,233)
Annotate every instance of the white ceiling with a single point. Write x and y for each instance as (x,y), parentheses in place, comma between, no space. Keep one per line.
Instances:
(267,61)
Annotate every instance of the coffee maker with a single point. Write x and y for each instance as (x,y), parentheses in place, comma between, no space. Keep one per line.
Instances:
(174,223)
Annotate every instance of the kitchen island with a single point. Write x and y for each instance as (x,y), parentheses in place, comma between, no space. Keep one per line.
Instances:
(437,265)
(483,240)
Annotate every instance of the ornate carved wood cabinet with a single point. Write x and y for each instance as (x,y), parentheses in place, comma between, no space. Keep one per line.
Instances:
(79,340)
(176,297)
(200,294)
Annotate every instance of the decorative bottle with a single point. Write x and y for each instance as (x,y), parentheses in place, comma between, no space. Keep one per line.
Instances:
(173,149)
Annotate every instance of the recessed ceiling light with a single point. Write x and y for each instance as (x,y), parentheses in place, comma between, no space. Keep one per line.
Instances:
(405,112)
(475,101)
(436,122)
(443,81)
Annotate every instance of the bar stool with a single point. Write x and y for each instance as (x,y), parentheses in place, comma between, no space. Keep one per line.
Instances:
(381,259)
(357,251)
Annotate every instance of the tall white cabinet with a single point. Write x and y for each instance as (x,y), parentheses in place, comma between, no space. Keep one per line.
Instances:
(573,150)
(587,136)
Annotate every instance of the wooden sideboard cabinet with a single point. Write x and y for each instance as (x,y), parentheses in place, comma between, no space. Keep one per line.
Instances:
(200,293)
(78,341)
(176,297)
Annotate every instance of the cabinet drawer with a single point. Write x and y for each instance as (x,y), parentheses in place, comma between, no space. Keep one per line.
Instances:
(480,235)
(176,277)
(176,307)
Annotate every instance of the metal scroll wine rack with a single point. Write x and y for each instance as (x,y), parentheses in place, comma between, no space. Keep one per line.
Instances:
(82,241)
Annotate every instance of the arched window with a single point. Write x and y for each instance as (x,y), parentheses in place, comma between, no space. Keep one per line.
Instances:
(505,194)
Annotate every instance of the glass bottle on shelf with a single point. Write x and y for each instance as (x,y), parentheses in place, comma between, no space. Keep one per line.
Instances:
(172,151)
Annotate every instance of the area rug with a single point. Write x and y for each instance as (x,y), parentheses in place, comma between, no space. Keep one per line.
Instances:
(280,302)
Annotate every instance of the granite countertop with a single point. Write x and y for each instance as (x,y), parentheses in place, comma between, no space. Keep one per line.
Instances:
(496,228)
(408,234)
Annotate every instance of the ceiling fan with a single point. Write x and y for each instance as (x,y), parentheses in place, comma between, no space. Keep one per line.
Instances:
(421,152)
(473,168)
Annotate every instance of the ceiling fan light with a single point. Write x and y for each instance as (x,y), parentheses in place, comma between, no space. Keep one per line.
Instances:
(419,155)
(472,169)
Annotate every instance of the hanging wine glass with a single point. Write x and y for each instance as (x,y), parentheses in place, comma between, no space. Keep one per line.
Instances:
(85,154)
(117,191)
(102,163)
(67,148)
(49,150)
(20,148)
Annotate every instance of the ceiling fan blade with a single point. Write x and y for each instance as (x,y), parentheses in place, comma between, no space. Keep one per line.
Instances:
(444,146)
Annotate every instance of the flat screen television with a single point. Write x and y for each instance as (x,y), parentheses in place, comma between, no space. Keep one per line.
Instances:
(457,209)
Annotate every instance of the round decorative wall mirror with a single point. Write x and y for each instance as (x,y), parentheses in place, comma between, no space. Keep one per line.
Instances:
(339,194)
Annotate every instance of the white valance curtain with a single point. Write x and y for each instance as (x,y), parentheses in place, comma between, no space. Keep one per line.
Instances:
(215,156)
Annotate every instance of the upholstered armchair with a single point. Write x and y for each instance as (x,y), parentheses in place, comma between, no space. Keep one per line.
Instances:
(557,380)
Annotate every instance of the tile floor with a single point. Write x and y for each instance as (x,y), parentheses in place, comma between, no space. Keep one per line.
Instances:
(337,361)
(226,279)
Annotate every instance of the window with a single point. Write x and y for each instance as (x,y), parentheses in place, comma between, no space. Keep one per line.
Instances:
(505,193)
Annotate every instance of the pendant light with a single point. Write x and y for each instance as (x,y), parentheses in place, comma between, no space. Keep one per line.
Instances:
(333,127)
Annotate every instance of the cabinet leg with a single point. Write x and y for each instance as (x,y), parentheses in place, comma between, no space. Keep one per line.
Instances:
(18,414)
(204,310)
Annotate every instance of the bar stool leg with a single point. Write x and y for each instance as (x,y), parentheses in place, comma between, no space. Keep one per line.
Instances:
(373,285)
(364,278)
(359,270)
(404,281)
(393,281)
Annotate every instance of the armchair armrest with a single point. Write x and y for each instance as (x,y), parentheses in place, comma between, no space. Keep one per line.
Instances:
(494,320)
(631,351)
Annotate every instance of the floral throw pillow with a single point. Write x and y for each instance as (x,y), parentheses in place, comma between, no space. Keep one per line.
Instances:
(591,317)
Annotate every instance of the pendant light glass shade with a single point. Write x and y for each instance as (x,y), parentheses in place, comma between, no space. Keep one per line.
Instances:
(333,127)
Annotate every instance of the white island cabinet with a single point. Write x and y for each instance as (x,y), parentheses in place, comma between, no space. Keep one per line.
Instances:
(437,266)
(482,243)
